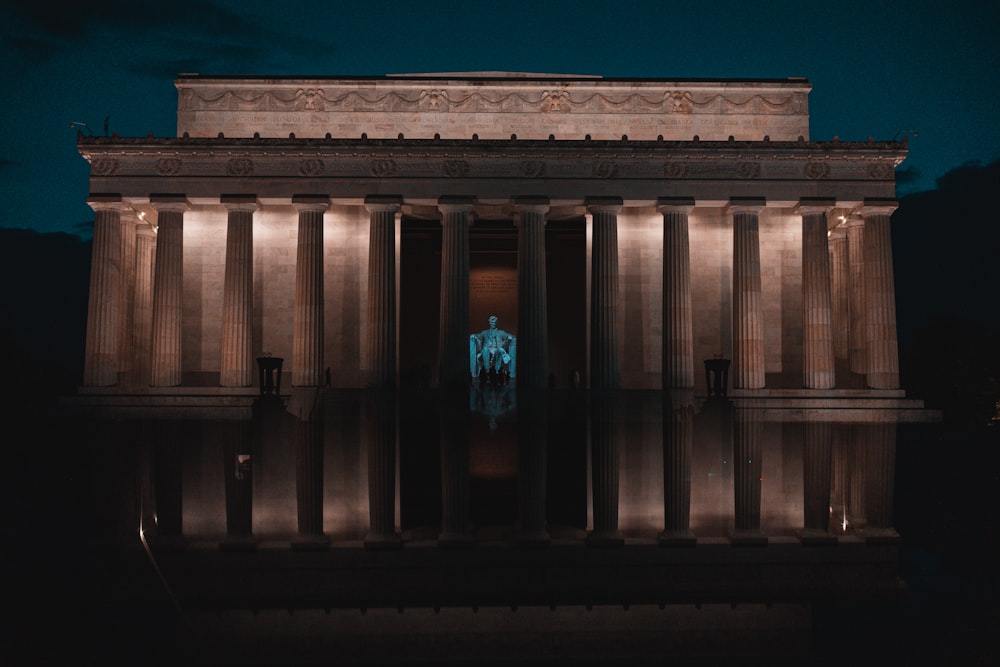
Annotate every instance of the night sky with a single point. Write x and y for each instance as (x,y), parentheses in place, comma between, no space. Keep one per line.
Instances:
(926,70)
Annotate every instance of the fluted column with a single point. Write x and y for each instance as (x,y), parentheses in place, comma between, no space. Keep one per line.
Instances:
(309,485)
(307,336)
(817,470)
(456,530)
(380,431)
(237,297)
(104,308)
(168,287)
(678,430)
(880,296)
(380,345)
(855,257)
(746,478)
(839,293)
(818,370)
(142,305)
(879,471)
(238,471)
(605,366)
(453,330)
(532,440)
(604,468)
(126,355)
(748,334)
(532,304)
(678,336)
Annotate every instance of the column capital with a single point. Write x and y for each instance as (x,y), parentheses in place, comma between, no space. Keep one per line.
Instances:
(815,205)
(456,203)
(305,203)
(746,205)
(383,203)
(143,228)
(106,202)
(838,232)
(603,204)
(239,202)
(854,220)
(169,202)
(674,204)
(872,206)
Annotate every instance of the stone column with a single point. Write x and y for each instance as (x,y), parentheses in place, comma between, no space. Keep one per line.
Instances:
(380,345)
(748,333)
(678,430)
(126,354)
(168,287)
(142,319)
(453,329)
(605,367)
(818,369)
(604,470)
(532,459)
(380,432)
(678,337)
(532,304)
(237,296)
(746,478)
(839,293)
(855,257)
(307,336)
(879,471)
(456,530)
(308,442)
(816,482)
(238,470)
(104,308)
(880,296)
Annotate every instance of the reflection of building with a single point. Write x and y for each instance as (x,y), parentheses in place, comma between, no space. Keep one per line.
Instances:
(626,228)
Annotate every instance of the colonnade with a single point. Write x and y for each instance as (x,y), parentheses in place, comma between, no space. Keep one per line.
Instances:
(848,299)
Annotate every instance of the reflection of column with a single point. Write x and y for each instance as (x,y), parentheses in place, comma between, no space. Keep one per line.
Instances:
(880,296)
(532,308)
(532,438)
(103,314)
(678,338)
(879,467)
(817,316)
(237,294)
(604,471)
(816,479)
(604,362)
(380,431)
(855,257)
(167,482)
(168,287)
(126,353)
(309,485)
(678,428)
(453,329)
(307,336)
(142,320)
(381,341)
(746,478)
(839,285)
(238,468)
(748,334)
(455,529)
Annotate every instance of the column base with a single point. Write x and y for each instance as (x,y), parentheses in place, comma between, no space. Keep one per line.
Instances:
(533,540)
(677,538)
(167,542)
(880,535)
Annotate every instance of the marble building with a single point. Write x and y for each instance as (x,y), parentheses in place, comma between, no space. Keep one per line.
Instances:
(625,230)
(281,305)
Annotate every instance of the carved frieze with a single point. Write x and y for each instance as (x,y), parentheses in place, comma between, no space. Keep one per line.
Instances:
(311,167)
(239,167)
(104,167)
(168,166)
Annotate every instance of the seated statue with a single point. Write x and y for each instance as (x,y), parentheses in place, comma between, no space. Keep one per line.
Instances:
(492,354)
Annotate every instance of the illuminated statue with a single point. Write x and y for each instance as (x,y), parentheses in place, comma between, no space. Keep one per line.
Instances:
(493,351)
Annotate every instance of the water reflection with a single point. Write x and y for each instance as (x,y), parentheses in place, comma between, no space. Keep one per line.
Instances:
(383,469)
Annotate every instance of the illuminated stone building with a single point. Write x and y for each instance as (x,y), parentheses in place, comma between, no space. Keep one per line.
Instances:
(632,234)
